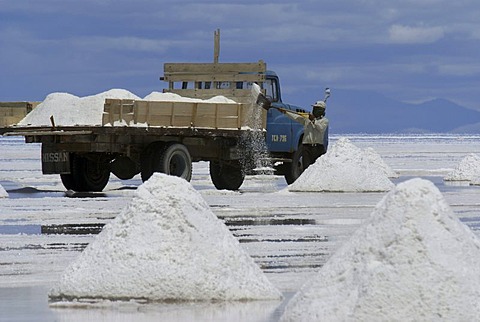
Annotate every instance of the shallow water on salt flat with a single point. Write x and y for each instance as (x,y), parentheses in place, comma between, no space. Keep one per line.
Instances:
(289,235)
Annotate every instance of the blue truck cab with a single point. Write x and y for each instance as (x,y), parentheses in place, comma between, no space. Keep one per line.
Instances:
(284,136)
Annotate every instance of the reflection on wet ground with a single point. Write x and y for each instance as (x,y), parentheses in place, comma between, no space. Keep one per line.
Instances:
(49,246)
(73,229)
(20,229)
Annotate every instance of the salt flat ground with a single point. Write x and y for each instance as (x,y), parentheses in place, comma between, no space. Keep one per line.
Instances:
(289,235)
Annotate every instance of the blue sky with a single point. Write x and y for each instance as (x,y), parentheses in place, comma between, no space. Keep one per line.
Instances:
(410,50)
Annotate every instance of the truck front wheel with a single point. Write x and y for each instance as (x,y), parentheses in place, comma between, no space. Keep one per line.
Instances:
(295,169)
(226,176)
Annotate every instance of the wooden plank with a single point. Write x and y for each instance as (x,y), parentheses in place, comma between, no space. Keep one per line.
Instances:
(15,104)
(13,111)
(210,68)
(9,120)
(219,77)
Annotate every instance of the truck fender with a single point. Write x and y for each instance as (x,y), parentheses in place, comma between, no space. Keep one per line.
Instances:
(297,138)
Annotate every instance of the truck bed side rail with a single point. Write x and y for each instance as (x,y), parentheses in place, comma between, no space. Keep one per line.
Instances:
(177,114)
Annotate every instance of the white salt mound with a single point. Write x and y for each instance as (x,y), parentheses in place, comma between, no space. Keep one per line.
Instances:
(344,167)
(468,169)
(3,192)
(70,110)
(166,245)
(168,97)
(172,97)
(377,160)
(412,260)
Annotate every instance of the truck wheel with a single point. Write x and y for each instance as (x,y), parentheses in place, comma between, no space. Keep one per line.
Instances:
(68,181)
(90,173)
(174,160)
(226,176)
(295,169)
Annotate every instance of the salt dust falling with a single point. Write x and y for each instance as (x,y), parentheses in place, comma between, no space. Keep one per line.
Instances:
(253,141)
(412,260)
(167,245)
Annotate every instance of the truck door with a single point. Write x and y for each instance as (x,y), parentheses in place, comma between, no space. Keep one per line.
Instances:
(279,126)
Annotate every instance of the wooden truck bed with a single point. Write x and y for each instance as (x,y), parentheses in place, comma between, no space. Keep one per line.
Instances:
(179,114)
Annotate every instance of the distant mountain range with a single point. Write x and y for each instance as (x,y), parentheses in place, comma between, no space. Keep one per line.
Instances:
(352,111)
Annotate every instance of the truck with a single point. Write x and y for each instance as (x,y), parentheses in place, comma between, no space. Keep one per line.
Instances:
(144,137)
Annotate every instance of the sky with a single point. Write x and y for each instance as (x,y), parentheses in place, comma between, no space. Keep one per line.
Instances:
(409,50)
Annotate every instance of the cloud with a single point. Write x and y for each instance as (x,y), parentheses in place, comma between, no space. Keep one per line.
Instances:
(415,35)
(122,43)
(460,69)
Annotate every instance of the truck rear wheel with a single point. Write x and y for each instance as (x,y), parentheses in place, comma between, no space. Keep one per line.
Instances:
(295,169)
(68,181)
(174,159)
(226,176)
(88,173)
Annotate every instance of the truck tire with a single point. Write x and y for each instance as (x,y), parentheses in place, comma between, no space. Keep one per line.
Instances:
(68,181)
(88,173)
(295,169)
(174,159)
(226,176)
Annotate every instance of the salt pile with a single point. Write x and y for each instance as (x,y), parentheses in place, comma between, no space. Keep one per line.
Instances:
(172,97)
(344,167)
(467,170)
(3,192)
(376,159)
(412,260)
(71,110)
(166,245)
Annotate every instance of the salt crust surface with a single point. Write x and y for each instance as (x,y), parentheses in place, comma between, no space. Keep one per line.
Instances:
(166,245)
(3,192)
(71,110)
(413,260)
(468,169)
(347,168)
